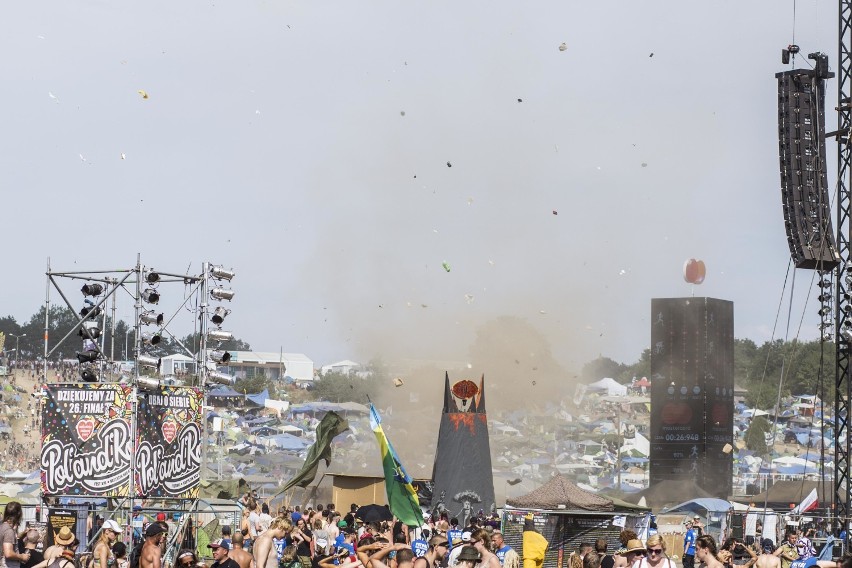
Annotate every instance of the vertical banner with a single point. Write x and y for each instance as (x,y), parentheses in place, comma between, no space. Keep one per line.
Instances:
(168,443)
(85,439)
(56,519)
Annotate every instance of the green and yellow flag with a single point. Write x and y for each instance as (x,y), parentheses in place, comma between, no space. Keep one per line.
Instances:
(402,497)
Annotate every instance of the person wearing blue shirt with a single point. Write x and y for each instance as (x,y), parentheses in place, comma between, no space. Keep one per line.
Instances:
(455,533)
(689,546)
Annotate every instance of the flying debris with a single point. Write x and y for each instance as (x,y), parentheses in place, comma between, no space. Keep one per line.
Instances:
(449,165)
(143,93)
(644,164)
(446,265)
(563,46)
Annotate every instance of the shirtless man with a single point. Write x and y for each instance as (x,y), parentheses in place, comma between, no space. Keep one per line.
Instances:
(238,553)
(150,556)
(265,553)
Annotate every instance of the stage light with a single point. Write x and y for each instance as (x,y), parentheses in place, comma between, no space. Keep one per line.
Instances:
(221,273)
(219,315)
(219,335)
(151,318)
(221,357)
(148,361)
(222,294)
(824,311)
(150,295)
(94,331)
(91,289)
(824,284)
(847,334)
(824,297)
(152,277)
(220,378)
(89,312)
(151,338)
(148,384)
(88,375)
(87,356)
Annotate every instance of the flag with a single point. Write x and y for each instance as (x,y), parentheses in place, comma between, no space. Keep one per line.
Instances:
(402,497)
(809,503)
(330,426)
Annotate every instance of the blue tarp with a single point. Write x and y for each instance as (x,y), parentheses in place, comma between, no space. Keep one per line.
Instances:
(224,392)
(259,398)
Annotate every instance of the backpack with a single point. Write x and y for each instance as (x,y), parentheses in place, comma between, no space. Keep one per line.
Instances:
(135,554)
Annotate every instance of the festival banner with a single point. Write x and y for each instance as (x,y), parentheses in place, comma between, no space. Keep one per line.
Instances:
(85,439)
(168,443)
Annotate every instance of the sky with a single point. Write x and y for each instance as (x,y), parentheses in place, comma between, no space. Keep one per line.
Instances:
(388,177)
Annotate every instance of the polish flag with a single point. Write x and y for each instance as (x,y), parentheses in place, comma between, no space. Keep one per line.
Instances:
(809,503)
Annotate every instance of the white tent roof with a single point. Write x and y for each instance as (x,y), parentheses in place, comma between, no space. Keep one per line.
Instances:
(611,386)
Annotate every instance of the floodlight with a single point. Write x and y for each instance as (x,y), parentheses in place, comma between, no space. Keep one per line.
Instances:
(151,318)
(89,312)
(847,334)
(222,294)
(221,357)
(824,297)
(88,375)
(221,378)
(92,289)
(219,335)
(150,295)
(148,361)
(87,356)
(151,338)
(219,315)
(148,384)
(824,311)
(152,277)
(824,283)
(221,273)
(94,332)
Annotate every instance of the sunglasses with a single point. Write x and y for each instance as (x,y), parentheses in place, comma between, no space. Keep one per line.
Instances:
(655,551)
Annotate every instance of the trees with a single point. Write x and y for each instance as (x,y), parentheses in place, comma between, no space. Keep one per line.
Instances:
(602,367)
(755,437)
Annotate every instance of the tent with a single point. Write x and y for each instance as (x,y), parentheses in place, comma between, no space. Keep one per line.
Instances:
(559,493)
(259,398)
(224,392)
(668,492)
(785,492)
(609,386)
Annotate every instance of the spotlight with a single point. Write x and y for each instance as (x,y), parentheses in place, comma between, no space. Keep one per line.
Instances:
(151,318)
(222,294)
(94,331)
(220,378)
(824,311)
(89,312)
(151,338)
(150,295)
(221,357)
(88,375)
(152,277)
(824,297)
(824,284)
(222,273)
(846,334)
(87,356)
(148,361)
(219,315)
(219,335)
(148,384)
(92,289)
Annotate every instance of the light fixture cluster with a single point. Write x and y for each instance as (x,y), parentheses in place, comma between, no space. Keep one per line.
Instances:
(89,331)
(150,317)
(217,336)
(825,308)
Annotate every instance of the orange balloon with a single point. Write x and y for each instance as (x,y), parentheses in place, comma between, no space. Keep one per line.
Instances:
(694,271)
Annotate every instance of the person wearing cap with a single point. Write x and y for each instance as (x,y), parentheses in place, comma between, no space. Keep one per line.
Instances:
(689,546)
(150,555)
(102,556)
(239,554)
(438,548)
(221,549)
(507,555)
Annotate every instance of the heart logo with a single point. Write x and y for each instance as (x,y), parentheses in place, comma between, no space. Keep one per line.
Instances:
(85,428)
(169,430)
